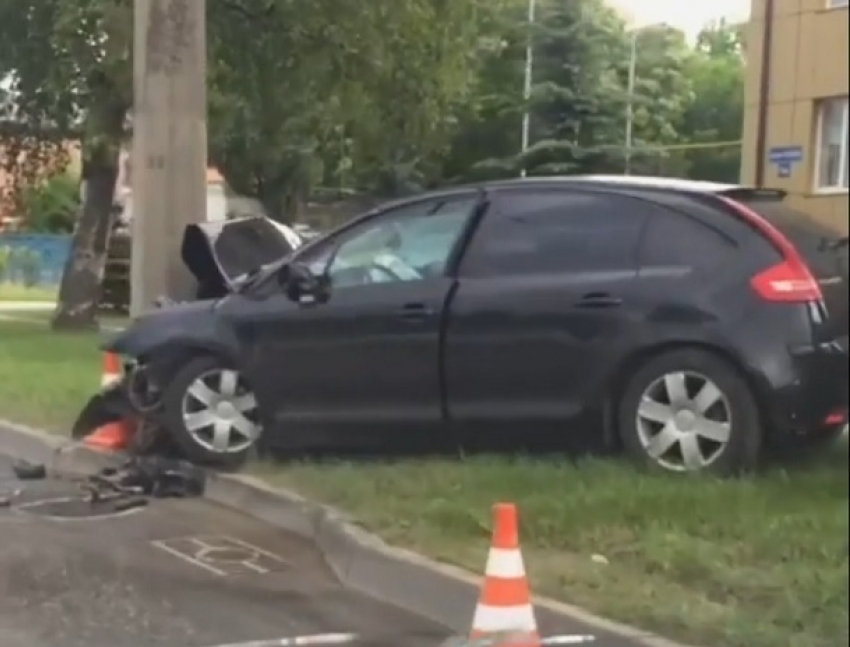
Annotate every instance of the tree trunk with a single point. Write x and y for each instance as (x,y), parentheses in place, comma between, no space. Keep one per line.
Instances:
(79,291)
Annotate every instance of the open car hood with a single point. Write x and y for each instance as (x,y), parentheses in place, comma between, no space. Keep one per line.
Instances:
(222,253)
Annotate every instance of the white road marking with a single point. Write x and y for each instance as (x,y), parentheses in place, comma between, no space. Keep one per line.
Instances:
(186,558)
(299,641)
(223,555)
(103,516)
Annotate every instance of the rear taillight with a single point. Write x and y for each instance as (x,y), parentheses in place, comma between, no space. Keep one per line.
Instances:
(790,281)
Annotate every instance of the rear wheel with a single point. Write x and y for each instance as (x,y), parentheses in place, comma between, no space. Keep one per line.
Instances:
(690,411)
(211,412)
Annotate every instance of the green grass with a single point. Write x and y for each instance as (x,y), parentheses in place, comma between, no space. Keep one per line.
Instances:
(18,292)
(45,377)
(756,562)
(760,562)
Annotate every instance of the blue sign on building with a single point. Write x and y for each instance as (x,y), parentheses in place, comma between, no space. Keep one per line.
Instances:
(785,158)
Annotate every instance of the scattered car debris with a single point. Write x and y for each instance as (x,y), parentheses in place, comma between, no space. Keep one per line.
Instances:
(145,476)
(128,486)
(27,471)
(7,498)
(129,504)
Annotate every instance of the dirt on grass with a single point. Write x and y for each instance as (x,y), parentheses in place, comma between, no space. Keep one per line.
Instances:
(755,562)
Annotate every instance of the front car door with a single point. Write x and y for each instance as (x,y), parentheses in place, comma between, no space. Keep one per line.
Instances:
(542,305)
(369,357)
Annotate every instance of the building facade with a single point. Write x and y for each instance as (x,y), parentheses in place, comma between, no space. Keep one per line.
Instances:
(796,114)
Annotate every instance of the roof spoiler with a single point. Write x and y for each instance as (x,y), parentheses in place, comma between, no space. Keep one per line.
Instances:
(753,194)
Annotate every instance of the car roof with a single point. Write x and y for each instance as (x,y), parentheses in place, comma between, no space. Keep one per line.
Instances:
(622,182)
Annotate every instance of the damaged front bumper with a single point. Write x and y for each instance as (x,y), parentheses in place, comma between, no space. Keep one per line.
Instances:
(133,399)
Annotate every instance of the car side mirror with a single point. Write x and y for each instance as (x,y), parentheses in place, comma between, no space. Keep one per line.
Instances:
(301,285)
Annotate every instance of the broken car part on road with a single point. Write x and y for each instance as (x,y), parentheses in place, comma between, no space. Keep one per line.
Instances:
(122,488)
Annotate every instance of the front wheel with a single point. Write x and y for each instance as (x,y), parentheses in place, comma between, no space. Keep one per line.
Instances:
(690,411)
(211,412)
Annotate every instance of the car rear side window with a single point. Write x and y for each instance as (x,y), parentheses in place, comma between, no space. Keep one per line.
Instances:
(556,231)
(678,240)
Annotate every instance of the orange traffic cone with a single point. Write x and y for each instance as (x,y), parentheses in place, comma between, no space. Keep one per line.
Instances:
(505,607)
(111,369)
(111,437)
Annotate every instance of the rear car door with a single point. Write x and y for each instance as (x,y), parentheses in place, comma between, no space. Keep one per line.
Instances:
(543,305)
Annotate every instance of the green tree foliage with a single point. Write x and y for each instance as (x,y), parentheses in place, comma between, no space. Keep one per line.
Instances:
(578,98)
(69,68)
(52,206)
(715,113)
(334,92)
(381,96)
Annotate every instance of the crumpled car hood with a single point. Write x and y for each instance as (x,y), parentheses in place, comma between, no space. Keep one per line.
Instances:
(225,251)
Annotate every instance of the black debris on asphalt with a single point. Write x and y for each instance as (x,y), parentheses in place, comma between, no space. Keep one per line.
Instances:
(129,486)
(27,471)
(146,476)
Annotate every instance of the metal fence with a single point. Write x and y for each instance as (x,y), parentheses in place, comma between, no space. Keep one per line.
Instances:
(33,259)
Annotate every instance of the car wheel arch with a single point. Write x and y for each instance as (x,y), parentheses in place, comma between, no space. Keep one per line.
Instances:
(170,356)
(616,385)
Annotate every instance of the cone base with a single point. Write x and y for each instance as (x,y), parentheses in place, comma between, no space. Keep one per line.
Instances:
(111,437)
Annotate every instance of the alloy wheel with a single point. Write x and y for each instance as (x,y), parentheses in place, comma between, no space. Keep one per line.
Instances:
(684,421)
(220,412)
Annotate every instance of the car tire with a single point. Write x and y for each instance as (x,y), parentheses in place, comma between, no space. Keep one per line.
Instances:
(690,410)
(211,413)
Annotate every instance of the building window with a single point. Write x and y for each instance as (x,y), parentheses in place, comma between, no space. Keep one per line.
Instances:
(832,145)
(834,4)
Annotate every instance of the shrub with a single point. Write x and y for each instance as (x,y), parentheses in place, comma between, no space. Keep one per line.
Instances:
(5,262)
(27,265)
(52,207)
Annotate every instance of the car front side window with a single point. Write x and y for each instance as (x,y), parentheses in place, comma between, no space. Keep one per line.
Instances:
(410,244)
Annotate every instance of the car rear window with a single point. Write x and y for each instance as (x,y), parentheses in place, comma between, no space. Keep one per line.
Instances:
(799,226)
(677,240)
(818,243)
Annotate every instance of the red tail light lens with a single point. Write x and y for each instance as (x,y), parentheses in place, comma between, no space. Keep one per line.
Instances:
(790,281)
(787,283)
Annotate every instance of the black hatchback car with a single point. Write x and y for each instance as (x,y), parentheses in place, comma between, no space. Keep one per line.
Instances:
(698,323)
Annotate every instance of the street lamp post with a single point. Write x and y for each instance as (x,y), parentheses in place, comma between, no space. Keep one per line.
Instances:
(630,108)
(527,81)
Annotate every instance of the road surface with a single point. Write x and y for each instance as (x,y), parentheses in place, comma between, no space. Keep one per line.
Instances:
(179,573)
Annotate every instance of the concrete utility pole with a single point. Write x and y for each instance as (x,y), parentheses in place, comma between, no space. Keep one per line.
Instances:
(169,158)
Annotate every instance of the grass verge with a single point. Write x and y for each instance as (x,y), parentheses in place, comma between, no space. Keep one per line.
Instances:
(758,562)
(19,292)
(46,377)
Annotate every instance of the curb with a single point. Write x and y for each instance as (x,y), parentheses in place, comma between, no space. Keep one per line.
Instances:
(439,592)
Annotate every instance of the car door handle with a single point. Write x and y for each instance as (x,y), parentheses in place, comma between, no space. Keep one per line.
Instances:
(414,311)
(599,300)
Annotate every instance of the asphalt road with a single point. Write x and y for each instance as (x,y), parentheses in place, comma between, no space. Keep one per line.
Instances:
(179,573)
